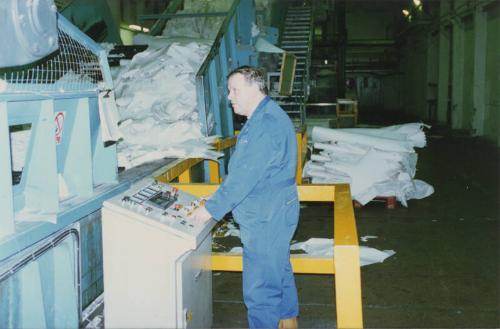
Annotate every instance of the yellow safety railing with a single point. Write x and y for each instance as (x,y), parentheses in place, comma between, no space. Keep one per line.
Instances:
(345,264)
(181,168)
(301,135)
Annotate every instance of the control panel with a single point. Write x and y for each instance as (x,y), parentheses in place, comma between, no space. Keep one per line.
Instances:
(161,205)
(156,261)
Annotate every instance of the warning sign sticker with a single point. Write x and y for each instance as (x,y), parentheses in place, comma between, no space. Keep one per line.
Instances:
(59,121)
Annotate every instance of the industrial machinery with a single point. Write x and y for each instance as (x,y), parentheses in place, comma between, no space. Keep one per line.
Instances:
(29,34)
(55,167)
(157,270)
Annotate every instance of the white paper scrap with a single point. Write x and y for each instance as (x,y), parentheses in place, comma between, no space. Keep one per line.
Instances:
(19,145)
(232,230)
(369,255)
(324,248)
(108,113)
(236,250)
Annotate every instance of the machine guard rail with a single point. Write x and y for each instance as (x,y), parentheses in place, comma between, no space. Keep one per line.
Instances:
(231,48)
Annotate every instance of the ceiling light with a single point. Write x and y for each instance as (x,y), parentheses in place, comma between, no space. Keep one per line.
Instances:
(135,27)
(405,12)
(138,28)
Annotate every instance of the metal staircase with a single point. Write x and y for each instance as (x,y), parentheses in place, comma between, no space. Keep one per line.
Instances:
(296,38)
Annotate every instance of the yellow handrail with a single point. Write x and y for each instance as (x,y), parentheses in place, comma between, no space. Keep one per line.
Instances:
(345,265)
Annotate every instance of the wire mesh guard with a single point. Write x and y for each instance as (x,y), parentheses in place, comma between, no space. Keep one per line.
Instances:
(72,67)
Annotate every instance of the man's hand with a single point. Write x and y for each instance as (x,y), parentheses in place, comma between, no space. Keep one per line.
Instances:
(200,215)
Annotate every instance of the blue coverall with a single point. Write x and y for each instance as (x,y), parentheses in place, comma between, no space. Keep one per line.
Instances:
(261,192)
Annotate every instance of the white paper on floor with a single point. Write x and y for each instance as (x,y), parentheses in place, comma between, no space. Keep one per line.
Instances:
(375,162)
(368,237)
(232,230)
(324,248)
(228,228)
(236,250)
(320,247)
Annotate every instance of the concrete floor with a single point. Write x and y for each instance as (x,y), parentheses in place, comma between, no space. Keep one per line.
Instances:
(445,271)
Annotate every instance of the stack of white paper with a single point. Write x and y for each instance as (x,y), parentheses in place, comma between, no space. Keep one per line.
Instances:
(375,162)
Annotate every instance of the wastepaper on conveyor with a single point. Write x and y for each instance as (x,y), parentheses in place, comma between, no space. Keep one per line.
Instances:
(374,161)
(197,27)
(156,99)
(156,91)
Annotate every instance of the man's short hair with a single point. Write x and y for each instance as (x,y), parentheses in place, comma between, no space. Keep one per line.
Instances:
(251,75)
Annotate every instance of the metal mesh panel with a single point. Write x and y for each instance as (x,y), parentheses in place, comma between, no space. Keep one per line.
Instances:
(72,67)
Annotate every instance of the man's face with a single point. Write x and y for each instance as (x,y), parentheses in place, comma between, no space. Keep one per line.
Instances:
(241,94)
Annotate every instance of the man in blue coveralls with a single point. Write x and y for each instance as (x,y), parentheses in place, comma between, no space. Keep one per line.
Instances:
(261,192)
